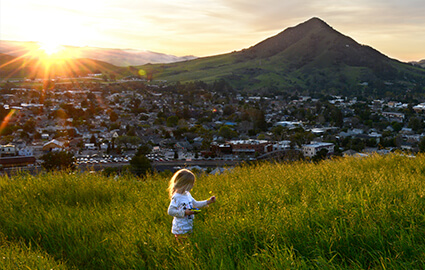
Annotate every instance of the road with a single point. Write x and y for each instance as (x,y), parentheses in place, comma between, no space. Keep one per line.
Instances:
(171,165)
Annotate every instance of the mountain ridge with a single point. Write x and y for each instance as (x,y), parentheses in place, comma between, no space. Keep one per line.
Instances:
(311,55)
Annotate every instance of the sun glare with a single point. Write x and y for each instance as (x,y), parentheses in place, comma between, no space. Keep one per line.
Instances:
(50,48)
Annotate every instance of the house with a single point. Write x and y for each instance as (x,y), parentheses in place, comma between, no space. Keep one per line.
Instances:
(249,146)
(310,150)
(394,116)
(279,146)
(103,146)
(53,145)
(289,124)
(221,149)
(419,108)
(27,151)
(89,146)
(8,150)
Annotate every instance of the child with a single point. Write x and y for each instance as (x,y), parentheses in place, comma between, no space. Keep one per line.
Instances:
(181,202)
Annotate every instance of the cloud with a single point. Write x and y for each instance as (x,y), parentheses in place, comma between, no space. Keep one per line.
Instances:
(210,27)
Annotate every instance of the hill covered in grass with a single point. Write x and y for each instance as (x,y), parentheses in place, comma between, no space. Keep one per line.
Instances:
(311,56)
(342,214)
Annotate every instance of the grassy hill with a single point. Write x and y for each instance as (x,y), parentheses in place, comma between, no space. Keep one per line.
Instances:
(311,55)
(343,214)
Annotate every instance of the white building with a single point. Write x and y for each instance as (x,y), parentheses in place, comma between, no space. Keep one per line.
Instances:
(310,150)
(27,151)
(90,146)
(8,150)
(104,146)
(282,145)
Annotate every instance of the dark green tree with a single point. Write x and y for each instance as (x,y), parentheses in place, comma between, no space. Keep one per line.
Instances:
(140,165)
(321,155)
(143,150)
(227,133)
(172,121)
(61,160)
(29,125)
(421,145)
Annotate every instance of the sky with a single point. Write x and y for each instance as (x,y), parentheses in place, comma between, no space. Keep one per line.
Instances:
(210,27)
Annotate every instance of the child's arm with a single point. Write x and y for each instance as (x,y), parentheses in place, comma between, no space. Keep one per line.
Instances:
(200,204)
(174,211)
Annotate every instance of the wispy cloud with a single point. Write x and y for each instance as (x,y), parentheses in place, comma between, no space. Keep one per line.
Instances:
(212,26)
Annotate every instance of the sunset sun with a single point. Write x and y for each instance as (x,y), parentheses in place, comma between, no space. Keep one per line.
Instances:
(50,48)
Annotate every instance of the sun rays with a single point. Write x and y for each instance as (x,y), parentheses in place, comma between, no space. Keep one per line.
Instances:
(49,60)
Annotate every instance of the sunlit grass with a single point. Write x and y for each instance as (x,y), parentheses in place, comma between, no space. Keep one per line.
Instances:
(342,214)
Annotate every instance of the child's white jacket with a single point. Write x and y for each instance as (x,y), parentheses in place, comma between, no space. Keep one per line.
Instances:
(179,203)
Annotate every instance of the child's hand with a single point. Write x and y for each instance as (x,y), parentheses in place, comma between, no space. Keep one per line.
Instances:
(188,212)
(211,200)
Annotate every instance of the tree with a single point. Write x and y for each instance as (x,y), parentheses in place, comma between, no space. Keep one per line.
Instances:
(113,116)
(172,121)
(61,160)
(128,140)
(278,132)
(143,150)
(140,165)
(93,139)
(320,155)
(227,133)
(29,125)
(422,145)
(415,124)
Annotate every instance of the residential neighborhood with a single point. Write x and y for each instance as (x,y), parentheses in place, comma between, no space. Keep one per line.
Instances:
(102,123)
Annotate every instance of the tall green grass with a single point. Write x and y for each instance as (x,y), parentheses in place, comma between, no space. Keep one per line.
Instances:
(342,214)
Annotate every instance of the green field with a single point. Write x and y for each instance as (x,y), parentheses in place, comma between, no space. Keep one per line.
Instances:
(353,213)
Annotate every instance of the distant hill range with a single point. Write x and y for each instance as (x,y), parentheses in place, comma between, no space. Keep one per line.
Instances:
(419,63)
(117,57)
(32,68)
(311,56)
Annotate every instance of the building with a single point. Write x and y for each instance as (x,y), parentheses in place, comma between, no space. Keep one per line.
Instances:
(27,151)
(6,162)
(8,150)
(310,150)
(53,145)
(249,147)
(90,146)
(394,116)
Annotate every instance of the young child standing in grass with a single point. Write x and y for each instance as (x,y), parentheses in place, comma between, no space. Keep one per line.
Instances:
(182,202)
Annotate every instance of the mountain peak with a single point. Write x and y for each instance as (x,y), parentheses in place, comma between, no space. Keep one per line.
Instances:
(316,20)
(314,23)
(289,37)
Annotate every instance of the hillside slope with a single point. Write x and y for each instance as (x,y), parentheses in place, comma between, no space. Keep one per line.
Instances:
(348,213)
(311,55)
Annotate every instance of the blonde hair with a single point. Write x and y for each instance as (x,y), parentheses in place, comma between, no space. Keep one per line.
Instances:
(182,181)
